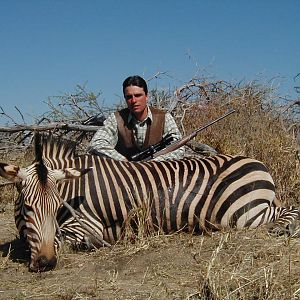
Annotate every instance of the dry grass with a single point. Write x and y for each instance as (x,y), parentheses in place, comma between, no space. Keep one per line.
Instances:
(256,130)
(228,265)
(233,265)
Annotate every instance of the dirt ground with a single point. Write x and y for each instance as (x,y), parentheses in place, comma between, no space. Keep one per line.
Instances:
(247,264)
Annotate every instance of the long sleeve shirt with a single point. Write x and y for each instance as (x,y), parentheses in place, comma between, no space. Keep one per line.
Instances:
(106,138)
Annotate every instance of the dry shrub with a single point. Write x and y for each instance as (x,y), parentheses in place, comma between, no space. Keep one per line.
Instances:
(256,130)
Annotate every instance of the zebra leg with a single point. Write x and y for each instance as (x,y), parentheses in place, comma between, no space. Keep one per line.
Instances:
(86,234)
(286,221)
(75,241)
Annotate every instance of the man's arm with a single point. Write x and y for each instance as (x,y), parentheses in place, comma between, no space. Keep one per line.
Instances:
(171,128)
(106,138)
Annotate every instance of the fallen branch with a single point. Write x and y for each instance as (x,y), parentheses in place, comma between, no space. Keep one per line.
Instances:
(64,126)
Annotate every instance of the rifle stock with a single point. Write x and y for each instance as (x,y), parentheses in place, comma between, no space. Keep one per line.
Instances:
(187,138)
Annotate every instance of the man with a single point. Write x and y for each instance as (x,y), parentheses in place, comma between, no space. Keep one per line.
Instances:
(133,129)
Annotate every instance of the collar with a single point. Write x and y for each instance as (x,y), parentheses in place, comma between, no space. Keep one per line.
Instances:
(132,118)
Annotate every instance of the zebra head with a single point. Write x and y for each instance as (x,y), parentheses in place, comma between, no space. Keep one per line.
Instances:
(37,206)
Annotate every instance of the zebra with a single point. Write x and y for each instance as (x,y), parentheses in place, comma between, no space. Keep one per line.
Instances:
(190,194)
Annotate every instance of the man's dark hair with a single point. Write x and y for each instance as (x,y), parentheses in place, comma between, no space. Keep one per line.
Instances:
(136,81)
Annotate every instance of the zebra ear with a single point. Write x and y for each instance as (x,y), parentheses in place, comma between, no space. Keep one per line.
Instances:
(69,173)
(10,172)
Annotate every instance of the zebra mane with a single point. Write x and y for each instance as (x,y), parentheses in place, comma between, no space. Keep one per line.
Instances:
(54,147)
(41,169)
(37,148)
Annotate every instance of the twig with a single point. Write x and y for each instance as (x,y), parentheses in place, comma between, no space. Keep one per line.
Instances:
(20,114)
(287,107)
(295,77)
(6,183)
(156,75)
(6,115)
(79,108)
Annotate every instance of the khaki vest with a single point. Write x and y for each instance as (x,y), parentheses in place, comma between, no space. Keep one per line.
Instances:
(126,144)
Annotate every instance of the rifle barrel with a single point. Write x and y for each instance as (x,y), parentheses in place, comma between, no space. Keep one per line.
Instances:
(187,138)
(231,111)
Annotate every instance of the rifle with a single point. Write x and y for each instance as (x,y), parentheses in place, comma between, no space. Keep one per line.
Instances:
(151,150)
(161,148)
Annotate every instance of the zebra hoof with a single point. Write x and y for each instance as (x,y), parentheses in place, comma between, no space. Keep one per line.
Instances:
(92,243)
(278,231)
(290,230)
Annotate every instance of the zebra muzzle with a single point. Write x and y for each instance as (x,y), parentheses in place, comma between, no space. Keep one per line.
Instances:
(43,264)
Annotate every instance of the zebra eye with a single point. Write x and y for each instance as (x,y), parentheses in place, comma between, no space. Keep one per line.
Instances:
(27,208)
(28,213)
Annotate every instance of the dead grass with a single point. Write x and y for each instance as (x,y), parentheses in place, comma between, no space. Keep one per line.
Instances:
(231,265)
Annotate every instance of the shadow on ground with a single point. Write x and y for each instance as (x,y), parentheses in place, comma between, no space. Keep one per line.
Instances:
(17,250)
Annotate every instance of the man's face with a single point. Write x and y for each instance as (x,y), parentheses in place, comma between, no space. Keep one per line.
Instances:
(136,101)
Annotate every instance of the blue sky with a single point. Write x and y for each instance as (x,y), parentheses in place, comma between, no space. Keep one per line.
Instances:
(48,47)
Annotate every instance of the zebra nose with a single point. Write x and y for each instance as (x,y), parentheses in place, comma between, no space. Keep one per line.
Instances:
(43,264)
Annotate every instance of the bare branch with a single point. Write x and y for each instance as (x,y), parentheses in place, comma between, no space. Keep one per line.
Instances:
(6,115)
(20,114)
(295,77)
(287,107)
(155,76)
(50,126)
